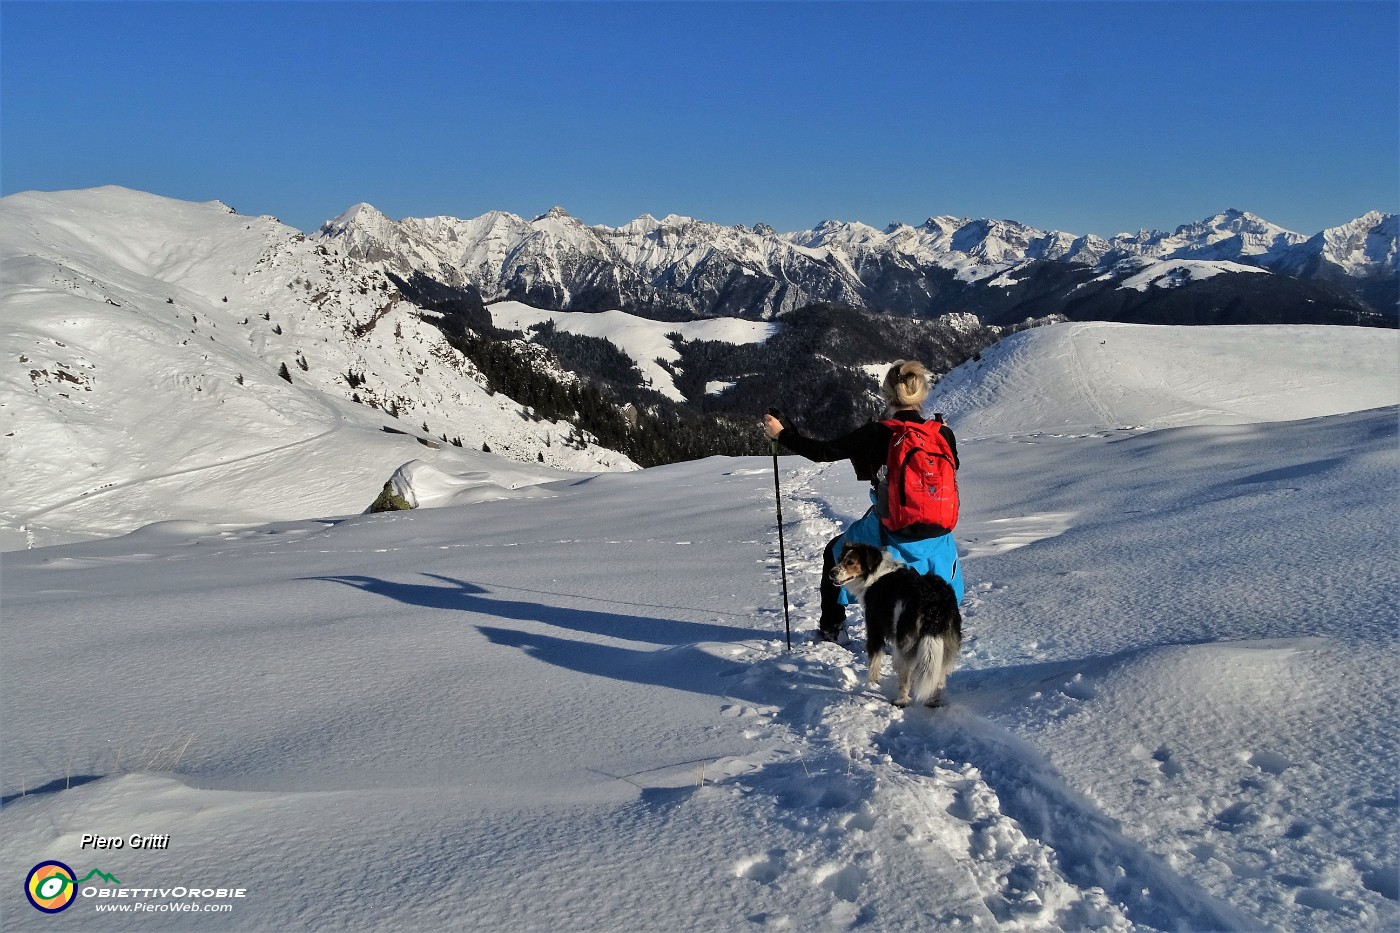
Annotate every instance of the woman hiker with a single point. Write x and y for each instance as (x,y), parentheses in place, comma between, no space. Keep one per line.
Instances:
(904,389)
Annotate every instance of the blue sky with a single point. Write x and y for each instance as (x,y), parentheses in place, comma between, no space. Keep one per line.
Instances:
(1085,117)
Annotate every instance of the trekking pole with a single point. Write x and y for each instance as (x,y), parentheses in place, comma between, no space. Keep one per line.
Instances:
(782,551)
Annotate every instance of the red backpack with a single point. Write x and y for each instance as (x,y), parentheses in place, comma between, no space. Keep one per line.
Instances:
(918,488)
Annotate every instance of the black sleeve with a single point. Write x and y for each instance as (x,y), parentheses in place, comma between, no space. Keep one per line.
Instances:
(947,433)
(862,446)
(820,451)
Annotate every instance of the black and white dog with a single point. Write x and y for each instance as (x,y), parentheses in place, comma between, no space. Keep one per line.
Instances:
(916,615)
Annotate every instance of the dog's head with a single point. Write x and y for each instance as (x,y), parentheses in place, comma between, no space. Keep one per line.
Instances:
(857,563)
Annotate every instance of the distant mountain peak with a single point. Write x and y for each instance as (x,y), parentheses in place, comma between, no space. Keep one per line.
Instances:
(361,214)
(555,213)
(1236,220)
(639,226)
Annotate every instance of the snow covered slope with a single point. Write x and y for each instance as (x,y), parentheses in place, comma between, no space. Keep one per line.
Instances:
(140,355)
(1176,707)
(645,341)
(1081,378)
(1173,273)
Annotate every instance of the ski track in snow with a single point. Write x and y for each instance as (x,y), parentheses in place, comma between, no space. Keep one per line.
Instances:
(962,794)
(1086,386)
(338,425)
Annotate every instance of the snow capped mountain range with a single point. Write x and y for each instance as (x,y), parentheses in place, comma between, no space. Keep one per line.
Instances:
(680,267)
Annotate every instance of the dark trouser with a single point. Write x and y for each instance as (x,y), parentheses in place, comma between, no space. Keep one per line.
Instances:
(833,618)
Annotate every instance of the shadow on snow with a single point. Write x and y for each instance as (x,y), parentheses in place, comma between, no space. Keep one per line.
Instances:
(675,662)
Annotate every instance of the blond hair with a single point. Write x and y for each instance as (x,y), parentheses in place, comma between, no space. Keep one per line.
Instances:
(906,385)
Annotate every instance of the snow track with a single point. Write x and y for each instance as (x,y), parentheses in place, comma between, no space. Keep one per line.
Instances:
(888,810)
(893,802)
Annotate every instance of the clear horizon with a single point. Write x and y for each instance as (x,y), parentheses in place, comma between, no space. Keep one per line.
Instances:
(1098,118)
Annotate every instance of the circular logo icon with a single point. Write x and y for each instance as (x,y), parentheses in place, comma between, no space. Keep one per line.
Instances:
(51,887)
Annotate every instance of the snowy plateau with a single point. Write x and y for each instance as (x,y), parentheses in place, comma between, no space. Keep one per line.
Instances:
(562,699)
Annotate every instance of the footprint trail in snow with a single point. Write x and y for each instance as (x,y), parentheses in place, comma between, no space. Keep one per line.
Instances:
(917,807)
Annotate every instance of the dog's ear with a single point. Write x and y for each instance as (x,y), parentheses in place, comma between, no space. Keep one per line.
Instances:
(870,557)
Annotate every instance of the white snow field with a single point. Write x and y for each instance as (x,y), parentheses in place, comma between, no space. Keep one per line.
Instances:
(1175,709)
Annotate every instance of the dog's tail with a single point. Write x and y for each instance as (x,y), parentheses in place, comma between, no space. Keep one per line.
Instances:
(936,655)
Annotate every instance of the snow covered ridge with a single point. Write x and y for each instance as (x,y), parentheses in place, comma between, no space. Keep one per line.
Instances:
(687,265)
(1086,378)
(1174,273)
(164,359)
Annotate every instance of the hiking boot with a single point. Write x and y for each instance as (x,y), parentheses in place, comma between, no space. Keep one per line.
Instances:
(831,626)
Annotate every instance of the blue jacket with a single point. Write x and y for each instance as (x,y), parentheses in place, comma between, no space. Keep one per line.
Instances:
(867,447)
(926,555)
